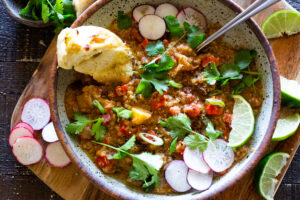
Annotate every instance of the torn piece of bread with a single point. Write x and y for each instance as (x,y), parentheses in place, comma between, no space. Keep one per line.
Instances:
(81,5)
(94,51)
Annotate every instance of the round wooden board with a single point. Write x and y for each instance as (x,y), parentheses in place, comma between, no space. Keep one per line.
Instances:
(70,184)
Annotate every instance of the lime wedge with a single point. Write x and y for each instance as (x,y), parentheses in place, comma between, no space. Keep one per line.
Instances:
(266,172)
(285,21)
(242,122)
(286,127)
(290,93)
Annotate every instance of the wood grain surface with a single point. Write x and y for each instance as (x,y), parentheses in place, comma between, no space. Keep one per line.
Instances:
(20,51)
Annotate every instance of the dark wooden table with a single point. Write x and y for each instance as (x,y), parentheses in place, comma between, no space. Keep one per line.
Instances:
(21,49)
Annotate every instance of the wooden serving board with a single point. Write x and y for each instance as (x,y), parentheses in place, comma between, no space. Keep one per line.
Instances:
(70,184)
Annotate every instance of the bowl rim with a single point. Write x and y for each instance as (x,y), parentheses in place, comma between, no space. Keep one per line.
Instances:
(258,154)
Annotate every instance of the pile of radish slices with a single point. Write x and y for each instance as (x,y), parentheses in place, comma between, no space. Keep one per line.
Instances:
(197,169)
(152,24)
(25,147)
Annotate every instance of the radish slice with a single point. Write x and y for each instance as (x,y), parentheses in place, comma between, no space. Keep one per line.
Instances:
(24,125)
(142,10)
(200,181)
(152,27)
(17,133)
(36,112)
(56,156)
(166,9)
(194,160)
(49,134)
(219,156)
(176,176)
(193,17)
(27,150)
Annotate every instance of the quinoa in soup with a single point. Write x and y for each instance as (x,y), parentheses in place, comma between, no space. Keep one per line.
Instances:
(175,99)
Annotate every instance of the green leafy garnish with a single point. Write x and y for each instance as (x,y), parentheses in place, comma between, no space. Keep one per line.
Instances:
(173,145)
(98,131)
(155,49)
(78,126)
(123,21)
(97,104)
(196,141)
(122,112)
(215,102)
(60,12)
(145,165)
(173,26)
(211,132)
(247,81)
(211,73)
(193,39)
(243,58)
(174,84)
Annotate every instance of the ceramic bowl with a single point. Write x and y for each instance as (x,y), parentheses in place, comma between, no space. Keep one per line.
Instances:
(247,35)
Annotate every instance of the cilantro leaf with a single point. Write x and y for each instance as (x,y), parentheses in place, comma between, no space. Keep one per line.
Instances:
(243,58)
(246,81)
(79,125)
(179,125)
(122,112)
(125,147)
(173,145)
(211,73)
(196,141)
(230,70)
(124,22)
(145,88)
(97,104)
(190,28)
(98,131)
(166,63)
(173,26)
(215,102)
(155,49)
(148,186)
(195,39)
(211,132)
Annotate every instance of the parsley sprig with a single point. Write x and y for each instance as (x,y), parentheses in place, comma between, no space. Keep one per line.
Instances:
(180,125)
(145,165)
(60,12)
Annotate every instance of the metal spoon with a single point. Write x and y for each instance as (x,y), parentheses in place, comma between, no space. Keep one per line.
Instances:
(253,9)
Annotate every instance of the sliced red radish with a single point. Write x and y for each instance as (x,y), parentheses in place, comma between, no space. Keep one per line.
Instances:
(152,27)
(142,10)
(176,176)
(24,125)
(27,150)
(194,160)
(36,113)
(166,9)
(17,133)
(193,17)
(49,134)
(56,156)
(200,181)
(218,156)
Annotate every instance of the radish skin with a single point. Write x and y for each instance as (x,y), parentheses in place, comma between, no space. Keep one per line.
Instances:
(140,11)
(176,176)
(49,134)
(27,150)
(36,113)
(24,125)
(17,133)
(56,156)
(166,9)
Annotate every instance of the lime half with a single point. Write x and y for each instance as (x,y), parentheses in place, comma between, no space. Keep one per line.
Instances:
(266,172)
(290,92)
(242,122)
(285,21)
(286,127)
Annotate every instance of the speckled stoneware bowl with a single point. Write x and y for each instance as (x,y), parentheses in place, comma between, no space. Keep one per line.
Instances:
(247,35)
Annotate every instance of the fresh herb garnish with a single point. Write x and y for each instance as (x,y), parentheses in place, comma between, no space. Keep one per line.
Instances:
(97,104)
(243,58)
(60,12)
(193,39)
(122,112)
(173,26)
(180,125)
(78,126)
(155,49)
(145,165)
(215,102)
(173,145)
(98,131)
(247,81)
(211,73)
(124,21)
(175,84)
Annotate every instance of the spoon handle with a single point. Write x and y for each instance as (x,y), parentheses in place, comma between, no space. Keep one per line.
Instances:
(253,9)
